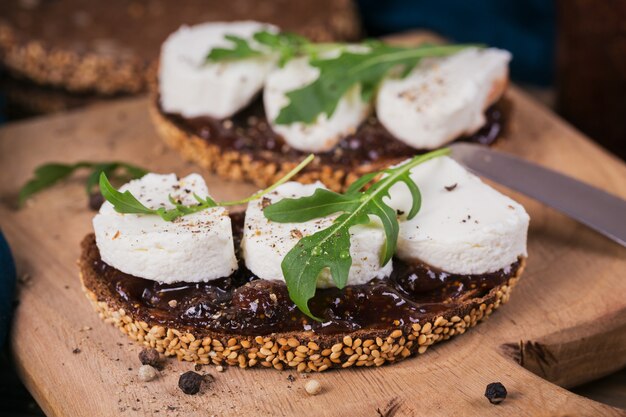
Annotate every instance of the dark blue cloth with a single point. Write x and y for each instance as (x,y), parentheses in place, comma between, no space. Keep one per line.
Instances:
(524,27)
(7,288)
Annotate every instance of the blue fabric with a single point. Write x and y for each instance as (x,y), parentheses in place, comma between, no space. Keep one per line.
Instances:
(524,27)
(7,287)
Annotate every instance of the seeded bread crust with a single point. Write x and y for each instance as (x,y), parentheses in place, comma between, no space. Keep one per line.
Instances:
(303,351)
(114,65)
(241,166)
(26,99)
(74,71)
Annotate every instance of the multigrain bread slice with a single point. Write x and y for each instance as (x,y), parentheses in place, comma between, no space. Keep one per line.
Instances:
(27,99)
(264,168)
(303,351)
(93,46)
(242,166)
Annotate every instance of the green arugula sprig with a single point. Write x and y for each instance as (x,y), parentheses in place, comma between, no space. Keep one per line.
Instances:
(285,45)
(330,247)
(49,174)
(338,75)
(125,202)
(365,64)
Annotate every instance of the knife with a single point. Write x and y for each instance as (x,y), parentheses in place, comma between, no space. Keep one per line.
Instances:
(591,206)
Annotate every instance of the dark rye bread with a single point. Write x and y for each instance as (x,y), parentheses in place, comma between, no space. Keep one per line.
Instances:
(264,167)
(302,350)
(258,169)
(244,147)
(27,99)
(110,47)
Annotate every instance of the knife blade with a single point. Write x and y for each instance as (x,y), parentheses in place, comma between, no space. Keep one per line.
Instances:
(591,206)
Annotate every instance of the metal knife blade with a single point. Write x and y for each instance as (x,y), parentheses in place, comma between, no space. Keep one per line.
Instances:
(591,206)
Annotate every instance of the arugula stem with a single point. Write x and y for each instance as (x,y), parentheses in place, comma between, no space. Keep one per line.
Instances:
(390,179)
(272,187)
(410,53)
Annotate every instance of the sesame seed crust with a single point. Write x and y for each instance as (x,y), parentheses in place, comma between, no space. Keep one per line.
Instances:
(301,351)
(73,71)
(241,166)
(80,66)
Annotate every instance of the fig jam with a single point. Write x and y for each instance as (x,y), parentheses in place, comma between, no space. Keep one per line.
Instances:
(244,304)
(249,132)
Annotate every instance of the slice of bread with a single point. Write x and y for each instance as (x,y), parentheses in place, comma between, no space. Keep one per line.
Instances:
(111,47)
(299,350)
(263,167)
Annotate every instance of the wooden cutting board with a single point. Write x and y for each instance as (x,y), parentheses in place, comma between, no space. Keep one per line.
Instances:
(566,321)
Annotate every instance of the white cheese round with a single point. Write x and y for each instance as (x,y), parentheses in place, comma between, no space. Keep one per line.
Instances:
(464,226)
(266,243)
(324,133)
(191,86)
(193,248)
(442,99)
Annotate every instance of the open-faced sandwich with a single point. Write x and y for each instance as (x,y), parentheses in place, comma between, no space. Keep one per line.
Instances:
(249,102)
(307,278)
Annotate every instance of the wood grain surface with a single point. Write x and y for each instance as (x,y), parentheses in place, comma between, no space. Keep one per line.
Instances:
(566,320)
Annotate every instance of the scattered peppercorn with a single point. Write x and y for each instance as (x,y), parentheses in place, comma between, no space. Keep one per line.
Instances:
(150,357)
(95,200)
(76,351)
(450,187)
(147,373)
(495,392)
(190,382)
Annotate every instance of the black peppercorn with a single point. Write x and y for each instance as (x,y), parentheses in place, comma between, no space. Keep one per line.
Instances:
(95,200)
(150,357)
(495,392)
(190,382)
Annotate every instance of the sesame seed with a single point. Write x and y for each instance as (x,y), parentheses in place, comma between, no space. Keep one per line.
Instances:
(396,334)
(303,355)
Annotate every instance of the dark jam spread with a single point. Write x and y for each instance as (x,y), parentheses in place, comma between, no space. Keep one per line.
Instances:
(247,305)
(249,132)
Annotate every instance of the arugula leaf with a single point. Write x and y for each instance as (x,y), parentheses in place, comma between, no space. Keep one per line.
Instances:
(287,45)
(241,49)
(330,247)
(321,203)
(340,74)
(49,174)
(126,202)
(122,202)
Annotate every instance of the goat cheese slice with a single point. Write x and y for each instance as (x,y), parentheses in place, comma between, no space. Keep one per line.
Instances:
(464,226)
(194,248)
(266,243)
(444,98)
(192,87)
(325,132)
